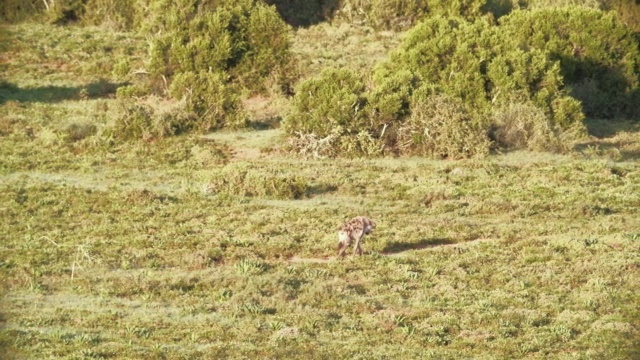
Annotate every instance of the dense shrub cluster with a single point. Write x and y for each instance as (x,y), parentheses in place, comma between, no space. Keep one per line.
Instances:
(456,88)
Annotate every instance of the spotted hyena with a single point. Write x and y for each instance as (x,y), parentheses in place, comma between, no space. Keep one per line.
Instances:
(354,229)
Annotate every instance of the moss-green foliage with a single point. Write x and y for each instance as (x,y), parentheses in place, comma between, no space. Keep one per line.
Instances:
(542,4)
(627,11)
(330,117)
(598,54)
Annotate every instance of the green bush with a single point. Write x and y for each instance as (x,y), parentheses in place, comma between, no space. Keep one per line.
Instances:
(627,11)
(449,54)
(332,103)
(209,51)
(441,127)
(440,94)
(519,76)
(210,98)
(599,56)
(542,4)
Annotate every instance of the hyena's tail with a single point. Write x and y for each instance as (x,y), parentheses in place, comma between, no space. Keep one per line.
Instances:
(343,239)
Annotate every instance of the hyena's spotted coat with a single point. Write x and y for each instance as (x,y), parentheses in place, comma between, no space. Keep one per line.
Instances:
(354,230)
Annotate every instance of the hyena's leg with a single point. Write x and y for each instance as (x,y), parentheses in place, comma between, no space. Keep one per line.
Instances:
(342,246)
(357,248)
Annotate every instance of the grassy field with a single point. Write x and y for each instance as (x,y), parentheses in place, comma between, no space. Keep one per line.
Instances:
(223,246)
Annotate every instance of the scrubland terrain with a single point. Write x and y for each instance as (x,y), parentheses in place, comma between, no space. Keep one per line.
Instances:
(222,244)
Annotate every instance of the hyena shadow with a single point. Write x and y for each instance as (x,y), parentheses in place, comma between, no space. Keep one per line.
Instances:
(398,247)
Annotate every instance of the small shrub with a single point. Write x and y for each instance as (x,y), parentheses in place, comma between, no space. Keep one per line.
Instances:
(362,144)
(139,122)
(523,126)
(241,181)
(441,127)
(129,91)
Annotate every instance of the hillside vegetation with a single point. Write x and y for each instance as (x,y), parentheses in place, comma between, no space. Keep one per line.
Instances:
(173,174)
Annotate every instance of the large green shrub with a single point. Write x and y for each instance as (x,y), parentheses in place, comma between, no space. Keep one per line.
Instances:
(598,54)
(448,54)
(521,77)
(478,64)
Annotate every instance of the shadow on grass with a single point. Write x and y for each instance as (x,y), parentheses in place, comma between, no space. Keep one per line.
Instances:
(398,247)
(617,137)
(304,13)
(53,94)
(320,189)
(624,155)
(604,128)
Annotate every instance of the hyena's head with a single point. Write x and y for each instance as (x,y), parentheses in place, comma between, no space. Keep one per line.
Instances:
(369,225)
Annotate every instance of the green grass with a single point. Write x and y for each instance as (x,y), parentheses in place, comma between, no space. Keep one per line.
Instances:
(133,250)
